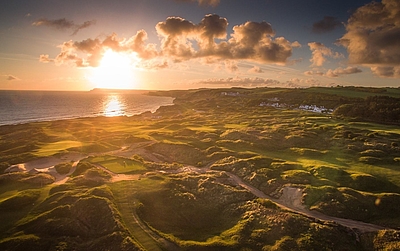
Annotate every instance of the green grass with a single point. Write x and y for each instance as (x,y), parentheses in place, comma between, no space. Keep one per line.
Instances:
(344,165)
(56,147)
(354,93)
(127,204)
(24,202)
(118,165)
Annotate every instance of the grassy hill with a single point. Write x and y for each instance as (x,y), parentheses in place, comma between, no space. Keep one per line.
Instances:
(162,181)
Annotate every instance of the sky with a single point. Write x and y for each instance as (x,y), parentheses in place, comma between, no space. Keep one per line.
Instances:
(187,44)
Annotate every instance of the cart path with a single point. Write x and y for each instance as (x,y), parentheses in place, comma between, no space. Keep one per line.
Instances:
(291,200)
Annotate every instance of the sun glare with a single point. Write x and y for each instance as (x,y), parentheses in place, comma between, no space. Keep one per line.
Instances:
(113,107)
(114,72)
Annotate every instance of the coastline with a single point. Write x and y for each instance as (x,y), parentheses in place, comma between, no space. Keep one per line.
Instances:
(23,107)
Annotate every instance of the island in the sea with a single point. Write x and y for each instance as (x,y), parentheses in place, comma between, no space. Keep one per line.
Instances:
(221,169)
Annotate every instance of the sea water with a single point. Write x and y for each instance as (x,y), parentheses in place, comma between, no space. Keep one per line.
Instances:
(17,107)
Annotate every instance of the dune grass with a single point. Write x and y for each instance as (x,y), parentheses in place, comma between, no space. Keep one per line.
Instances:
(127,206)
(345,166)
(56,147)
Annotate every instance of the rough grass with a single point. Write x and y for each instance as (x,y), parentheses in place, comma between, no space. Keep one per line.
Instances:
(350,170)
(78,219)
(163,209)
(20,200)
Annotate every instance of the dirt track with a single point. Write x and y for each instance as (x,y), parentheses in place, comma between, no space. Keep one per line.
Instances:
(291,200)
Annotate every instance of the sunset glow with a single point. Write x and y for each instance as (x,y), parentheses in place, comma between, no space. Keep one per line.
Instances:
(113,107)
(166,45)
(114,72)
(200,125)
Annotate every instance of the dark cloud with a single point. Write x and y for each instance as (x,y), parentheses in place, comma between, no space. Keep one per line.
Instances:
(63,24)
(325,25)
(60,24)
(386,72)
(210,28)
(176,32)
(373,37)
(83,26)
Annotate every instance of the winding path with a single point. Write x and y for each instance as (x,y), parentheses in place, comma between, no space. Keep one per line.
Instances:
(291,200)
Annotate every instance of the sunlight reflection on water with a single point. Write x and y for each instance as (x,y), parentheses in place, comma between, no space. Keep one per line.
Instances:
(114,107)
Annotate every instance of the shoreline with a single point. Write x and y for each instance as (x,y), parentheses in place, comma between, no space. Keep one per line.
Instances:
(100,113)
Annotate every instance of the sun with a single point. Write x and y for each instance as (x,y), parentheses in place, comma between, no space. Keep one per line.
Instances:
(115,71)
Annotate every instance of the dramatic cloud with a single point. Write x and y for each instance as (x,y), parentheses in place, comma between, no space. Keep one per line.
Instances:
(386,72)
(182,40)
(325,25)
(373,37)
(63,24)
(320,52)
(138,44)
(251,41)
(89,52)
(203,2)
(334,73)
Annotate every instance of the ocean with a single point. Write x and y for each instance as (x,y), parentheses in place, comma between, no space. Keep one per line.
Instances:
(18,107)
